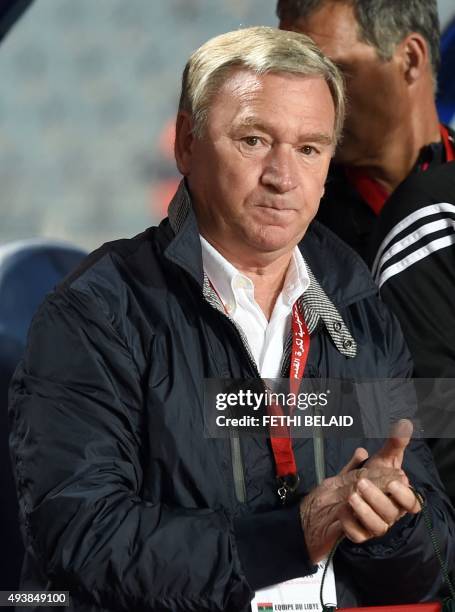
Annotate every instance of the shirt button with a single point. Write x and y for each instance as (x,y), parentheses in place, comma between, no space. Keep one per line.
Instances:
(229,307)
(337,326)
(347,344)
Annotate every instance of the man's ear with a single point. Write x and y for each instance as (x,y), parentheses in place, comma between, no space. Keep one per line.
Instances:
(415,57)
(183,146)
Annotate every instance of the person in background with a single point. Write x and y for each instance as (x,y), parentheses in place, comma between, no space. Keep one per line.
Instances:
(391,189)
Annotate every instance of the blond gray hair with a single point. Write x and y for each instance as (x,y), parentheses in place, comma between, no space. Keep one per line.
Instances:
(261,50)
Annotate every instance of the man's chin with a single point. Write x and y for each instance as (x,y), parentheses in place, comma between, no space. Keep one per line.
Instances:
(274,240)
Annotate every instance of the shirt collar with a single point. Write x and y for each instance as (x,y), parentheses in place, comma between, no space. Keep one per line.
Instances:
(226,278)
(297,279)
(221,273)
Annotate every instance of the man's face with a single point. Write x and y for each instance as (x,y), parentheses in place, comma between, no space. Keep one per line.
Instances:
(376,91)
(257,174)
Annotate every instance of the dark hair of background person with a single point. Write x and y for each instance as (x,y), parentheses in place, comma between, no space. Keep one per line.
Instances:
(382,23)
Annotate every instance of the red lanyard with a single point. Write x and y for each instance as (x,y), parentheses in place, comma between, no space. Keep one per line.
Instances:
(373,193)
(280,438)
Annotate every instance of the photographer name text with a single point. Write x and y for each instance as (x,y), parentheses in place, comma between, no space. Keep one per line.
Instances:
(298,420)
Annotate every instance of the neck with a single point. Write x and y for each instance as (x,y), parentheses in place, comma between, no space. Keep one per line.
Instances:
(268,283)
(267,276)
(390,165)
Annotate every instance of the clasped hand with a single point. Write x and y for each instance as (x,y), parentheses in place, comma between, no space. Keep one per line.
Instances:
(360,503)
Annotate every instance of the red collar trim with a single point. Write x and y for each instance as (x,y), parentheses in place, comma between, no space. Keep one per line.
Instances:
(449,145)
(373,193)
(370,190)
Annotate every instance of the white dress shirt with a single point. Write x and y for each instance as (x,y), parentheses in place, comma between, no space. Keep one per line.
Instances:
(265,338)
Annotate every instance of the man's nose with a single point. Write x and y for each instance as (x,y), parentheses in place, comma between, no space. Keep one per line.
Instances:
(280,171)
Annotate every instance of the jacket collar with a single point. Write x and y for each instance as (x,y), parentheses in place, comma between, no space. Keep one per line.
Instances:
(185,251)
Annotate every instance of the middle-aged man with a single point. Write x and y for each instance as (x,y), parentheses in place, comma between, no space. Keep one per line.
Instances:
(124,502)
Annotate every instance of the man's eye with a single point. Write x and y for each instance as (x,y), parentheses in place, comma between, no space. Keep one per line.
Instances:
(308,150)
(251,141)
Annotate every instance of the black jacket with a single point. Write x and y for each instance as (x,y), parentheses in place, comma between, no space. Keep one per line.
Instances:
(345,212)
(414,249)
(123,500)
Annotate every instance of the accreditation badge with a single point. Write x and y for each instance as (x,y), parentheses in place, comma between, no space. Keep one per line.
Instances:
(298,594)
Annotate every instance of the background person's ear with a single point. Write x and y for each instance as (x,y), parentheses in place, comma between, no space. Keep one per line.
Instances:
(183,145)
(415,57)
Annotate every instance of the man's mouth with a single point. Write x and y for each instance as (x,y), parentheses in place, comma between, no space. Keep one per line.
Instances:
(277,207)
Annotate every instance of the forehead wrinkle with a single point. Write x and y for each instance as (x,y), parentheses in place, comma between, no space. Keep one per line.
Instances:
(243,85)
(255,103)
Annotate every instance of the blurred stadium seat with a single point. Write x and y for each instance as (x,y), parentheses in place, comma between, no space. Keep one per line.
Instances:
(28,270)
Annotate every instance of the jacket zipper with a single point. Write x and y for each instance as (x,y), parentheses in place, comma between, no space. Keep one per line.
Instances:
(318,448)
(236,450)
(319,453)
(238,471)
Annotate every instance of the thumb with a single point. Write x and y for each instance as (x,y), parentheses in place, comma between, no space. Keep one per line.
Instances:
(395,445)
(360,455)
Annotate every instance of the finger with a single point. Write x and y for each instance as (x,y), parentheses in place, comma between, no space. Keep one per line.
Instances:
(404,497)
(381,478)
(368,518)
(359,456)
(337,488)
(352,529)
(398,440)
(380,504)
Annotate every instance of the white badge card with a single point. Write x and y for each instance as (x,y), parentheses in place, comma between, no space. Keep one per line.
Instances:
(298,594)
